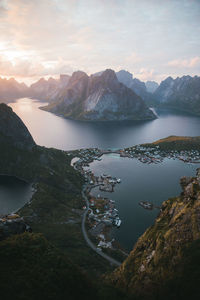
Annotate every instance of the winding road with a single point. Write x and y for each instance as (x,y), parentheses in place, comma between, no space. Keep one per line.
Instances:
(88,241)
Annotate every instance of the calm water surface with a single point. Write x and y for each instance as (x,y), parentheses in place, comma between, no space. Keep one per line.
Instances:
(52,131)
(140,182)
(14,193)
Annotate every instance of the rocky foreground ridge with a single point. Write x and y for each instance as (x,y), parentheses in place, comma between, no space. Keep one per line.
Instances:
(165,260)
(101,98)
(13,130)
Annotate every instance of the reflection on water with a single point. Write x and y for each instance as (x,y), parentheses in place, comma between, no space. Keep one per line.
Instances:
(140,182)
(52,131)
(14,193)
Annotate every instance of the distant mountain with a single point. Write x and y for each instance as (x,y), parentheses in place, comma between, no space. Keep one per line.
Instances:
(100,97)
(13,130)
(135,85)
(180,93)
(125,77)
(47,89)
(151,86)
(10,89)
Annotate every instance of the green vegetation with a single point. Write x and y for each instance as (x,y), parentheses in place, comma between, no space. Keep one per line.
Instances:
(32,268)
(56,206)
(54,261)
(178,143)
(164,263)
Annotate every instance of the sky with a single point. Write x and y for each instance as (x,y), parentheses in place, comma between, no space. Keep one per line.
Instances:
(152,39)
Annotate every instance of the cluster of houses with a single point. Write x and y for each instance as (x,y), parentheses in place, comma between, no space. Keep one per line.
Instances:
(156,155)
(102,216)
(102,213)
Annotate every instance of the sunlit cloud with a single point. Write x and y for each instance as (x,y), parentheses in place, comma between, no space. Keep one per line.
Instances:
(185,63)
(147,37)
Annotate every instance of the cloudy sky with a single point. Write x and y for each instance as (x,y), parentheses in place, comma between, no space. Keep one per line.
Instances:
(150,38)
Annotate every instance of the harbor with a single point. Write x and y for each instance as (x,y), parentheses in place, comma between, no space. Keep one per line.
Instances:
(137,185)
(102,214)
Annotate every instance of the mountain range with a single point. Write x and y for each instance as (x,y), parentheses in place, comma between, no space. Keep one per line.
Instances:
(182,93)
(10,90)
(96,99)
(134,84)
(99,97)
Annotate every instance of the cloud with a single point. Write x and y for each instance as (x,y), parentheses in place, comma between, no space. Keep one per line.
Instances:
(26,68)
(185,63)
(48,36)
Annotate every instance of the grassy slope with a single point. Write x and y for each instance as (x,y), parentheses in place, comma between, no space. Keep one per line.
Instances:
(55,206)
(34,269)
(177,143)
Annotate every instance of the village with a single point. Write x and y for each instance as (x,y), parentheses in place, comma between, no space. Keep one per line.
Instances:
(102,214)
(156,155)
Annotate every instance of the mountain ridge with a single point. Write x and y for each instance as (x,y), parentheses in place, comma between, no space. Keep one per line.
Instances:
(100,98)
(182,93)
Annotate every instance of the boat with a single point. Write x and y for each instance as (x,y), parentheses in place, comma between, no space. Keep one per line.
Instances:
(146,205)
(117,222)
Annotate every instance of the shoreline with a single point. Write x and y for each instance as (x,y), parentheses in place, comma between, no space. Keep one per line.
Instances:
(95,220)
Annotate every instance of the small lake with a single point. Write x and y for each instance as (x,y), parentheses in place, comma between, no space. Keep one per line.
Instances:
(139,182)
(14,193)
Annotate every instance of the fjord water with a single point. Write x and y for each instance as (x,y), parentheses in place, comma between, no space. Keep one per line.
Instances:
(140,182)
(52,131)
(14,193)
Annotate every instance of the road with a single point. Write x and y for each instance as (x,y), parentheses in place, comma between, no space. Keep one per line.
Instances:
(88,241)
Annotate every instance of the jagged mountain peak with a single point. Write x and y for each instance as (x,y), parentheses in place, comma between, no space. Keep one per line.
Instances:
(108,75)
(77,75)
(100,97)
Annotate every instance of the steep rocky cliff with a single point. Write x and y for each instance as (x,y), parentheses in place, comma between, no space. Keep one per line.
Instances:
(181,93)
(99,98)
(165,261)
(13,130)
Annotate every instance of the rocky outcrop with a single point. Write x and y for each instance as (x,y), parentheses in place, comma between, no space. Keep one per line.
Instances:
(101,98)
(13,130)
(167,253)
(180,93)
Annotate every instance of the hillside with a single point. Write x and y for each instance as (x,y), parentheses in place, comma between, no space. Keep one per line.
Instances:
(55,211)
(99,98)
(32,268)
(177,143)
(164,263)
